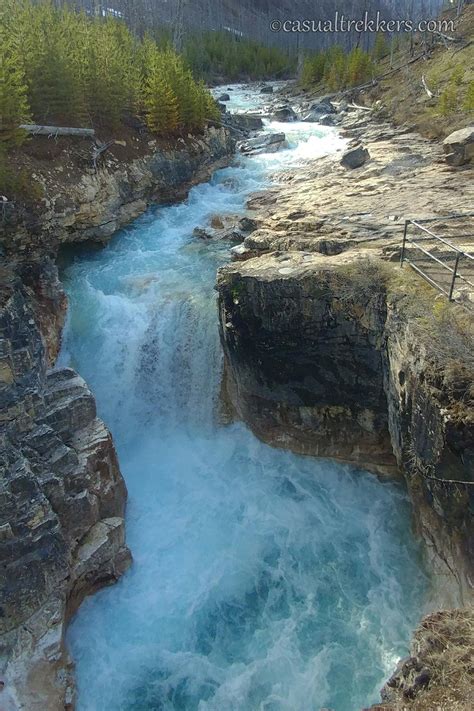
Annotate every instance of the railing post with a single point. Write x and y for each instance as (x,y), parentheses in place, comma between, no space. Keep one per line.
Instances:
(455,273)
(405,232)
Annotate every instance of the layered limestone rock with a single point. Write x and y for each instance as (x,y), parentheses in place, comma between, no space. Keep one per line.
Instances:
(62,507)
(428,385)
(322,207)
(321,357)
(306,359)
(83,203)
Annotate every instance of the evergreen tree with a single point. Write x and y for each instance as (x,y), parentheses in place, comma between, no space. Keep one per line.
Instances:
(108,82)
(220,54)
(160,104)
(313,69)
(14,108)
(183,86)
(448,100)
(335,69)
(61,67)
(381,48)
(359,67)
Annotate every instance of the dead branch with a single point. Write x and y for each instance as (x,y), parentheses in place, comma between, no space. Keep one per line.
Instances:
(446,38)
(97,151)
(460,49)
(229,126)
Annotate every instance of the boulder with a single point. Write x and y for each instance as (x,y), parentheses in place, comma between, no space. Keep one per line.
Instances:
(248,225)
(327,120)
(240,253)
(285,113)
(317,110)
(267,89)
(217,223)
(355,157)
(247,122)
(459,146)
(224,97)
(311,117)
(323,106)
(266,143)
(232,235)
(222,107)
(202,233)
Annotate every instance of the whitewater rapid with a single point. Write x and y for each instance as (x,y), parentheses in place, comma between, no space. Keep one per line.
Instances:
(262,580)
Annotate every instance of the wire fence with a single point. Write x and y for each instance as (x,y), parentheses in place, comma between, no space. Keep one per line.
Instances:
(440,251)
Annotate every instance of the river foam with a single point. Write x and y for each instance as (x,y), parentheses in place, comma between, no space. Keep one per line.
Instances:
(262,580)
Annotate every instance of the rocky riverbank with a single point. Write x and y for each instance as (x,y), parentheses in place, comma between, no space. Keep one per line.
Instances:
(333,350)
(63,497)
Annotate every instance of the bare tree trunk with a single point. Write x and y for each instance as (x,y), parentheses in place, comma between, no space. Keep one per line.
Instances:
(392,51)
(178,29)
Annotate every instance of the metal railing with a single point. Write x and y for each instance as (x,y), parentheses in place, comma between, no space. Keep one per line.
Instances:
(462,259)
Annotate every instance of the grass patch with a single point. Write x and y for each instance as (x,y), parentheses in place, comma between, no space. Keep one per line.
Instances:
(446,641)
(443,331)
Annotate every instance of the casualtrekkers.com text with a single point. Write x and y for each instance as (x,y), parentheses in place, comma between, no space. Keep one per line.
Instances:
(341,23)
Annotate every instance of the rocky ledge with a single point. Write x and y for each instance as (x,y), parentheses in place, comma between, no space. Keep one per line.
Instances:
(62,496)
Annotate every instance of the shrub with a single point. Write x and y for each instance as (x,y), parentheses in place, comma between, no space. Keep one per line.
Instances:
(17,183)
(469,100)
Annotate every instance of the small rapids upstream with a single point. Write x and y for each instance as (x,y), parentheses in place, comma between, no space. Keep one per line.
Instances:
(262,580)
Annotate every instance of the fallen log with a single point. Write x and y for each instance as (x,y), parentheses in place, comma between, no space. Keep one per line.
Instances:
(37,130)
(426,87)
(361,108)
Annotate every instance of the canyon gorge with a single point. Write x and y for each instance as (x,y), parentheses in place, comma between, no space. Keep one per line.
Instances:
(280,427)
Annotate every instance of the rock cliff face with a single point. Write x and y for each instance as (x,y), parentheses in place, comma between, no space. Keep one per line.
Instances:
(62,505)
(321,358)
(430,411)
(307,366)
(86,204)
(62,496)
